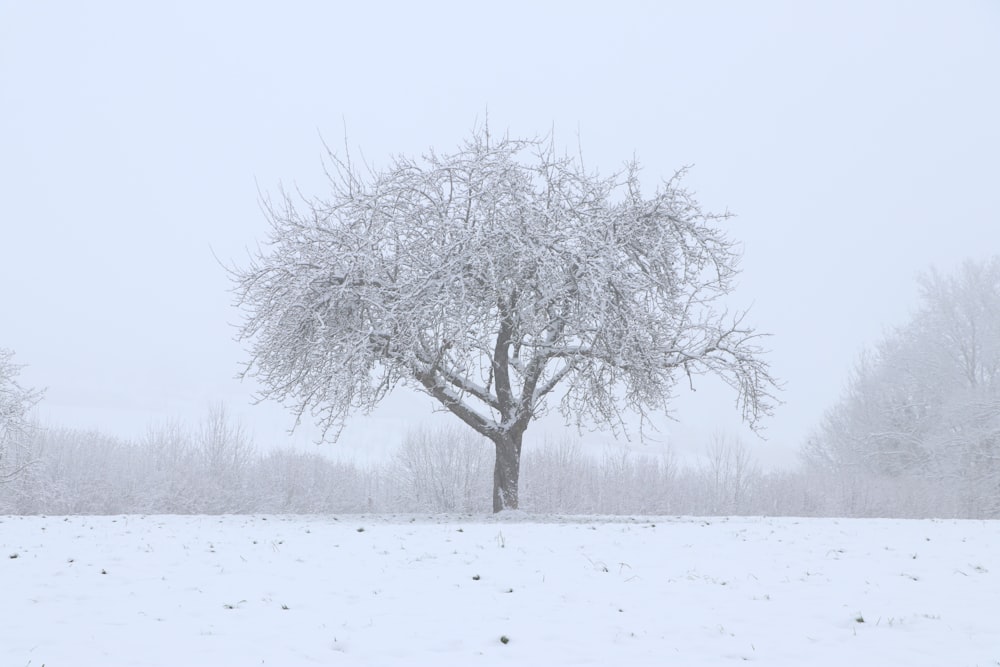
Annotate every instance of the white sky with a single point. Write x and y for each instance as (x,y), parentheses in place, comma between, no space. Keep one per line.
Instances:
(857,142)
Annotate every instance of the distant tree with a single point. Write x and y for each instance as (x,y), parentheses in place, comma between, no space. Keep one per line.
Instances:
(730,474)
(225,452)
(15,404)
(443,470)
(487,278)
(925,403)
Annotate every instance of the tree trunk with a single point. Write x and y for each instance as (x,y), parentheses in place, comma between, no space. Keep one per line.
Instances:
(506,471)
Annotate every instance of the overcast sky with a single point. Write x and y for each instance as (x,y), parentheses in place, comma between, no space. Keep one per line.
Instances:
(857,142)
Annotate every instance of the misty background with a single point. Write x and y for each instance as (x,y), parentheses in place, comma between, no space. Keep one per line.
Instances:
(856,142)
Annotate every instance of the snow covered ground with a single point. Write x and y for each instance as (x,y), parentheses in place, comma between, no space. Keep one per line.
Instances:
(349,590)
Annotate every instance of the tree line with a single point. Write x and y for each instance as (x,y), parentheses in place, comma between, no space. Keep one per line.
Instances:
(214,468)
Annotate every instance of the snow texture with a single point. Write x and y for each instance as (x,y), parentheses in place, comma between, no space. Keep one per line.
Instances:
(363,590)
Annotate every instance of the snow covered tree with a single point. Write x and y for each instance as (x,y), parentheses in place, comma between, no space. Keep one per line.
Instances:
(487,278)
(15,403)
(925,403)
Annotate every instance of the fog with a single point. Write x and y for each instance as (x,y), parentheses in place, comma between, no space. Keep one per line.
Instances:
(856,143)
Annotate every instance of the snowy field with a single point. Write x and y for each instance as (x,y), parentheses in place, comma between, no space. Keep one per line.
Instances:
(349,590)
